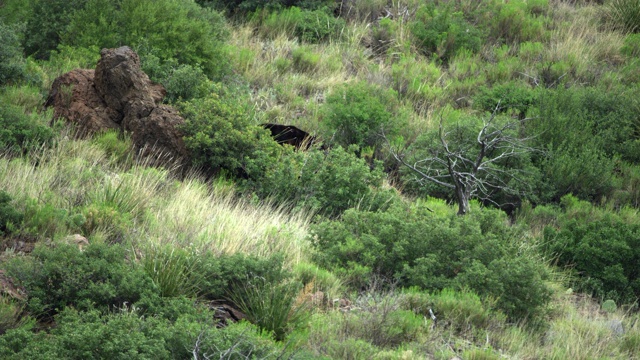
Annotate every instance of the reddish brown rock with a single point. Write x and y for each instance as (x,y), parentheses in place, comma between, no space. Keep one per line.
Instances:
(74,98)
(119,95)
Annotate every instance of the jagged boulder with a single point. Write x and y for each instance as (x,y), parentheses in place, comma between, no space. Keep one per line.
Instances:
(75,99)
(119,95)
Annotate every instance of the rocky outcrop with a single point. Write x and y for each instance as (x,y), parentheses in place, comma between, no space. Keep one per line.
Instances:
(119,95)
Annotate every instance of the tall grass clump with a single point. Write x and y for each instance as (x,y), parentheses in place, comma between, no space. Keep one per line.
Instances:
(272,307)
(623,15)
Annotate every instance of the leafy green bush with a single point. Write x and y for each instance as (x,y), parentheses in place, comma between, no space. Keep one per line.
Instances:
(510,97)
(20,132)
(221,136)
(99,277)
(46,22)
(116,145)
(600,246)
(441,33)
(12,63)
(304,59)
(308,26)
(238,7)
(517,21)
(124,334)
(359,114)
(415,247)
(217,276)
(631,47)
(46,220)
(327,184)
(150,26)
(183,82)
(583,131)
(10,218)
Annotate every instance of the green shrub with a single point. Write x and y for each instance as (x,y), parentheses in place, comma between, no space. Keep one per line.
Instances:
(20,132)
(221,136)
(583,130)
(47,21)
(511,97)
(125,334)
(99,277)
(304,59)
(416,248)
(158,27)
(116,145)
(219,275)
(631,47)
(12,63)
(46,220)
(327,184)
(238,7)
(308,26)
(517,21)
(441,33)
(10,218)
(601,248)
(359,114)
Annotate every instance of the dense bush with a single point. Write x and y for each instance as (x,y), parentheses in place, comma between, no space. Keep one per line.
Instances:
(415,247)
(218,276)
(99,277)
(601,247)
(239,7)
(47,21)
(221,136)
(10,218)
(327,184)
(510,97)
(124,334)
(20,132)
(12,63)
(179,30)
(442,32)
(360,113)
(308,26)
(583,130)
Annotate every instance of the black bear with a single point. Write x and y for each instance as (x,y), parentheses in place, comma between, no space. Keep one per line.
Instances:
(288,134)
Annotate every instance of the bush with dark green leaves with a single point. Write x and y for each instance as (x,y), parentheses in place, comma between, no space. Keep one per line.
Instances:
(413,246)
(240,7)
(172,30)
(221,136)
(12,62)
(308,26)
(100,277)
(583,131)
(20,132)
(441,32)
(511,98)
(325,183)
(218,276)
(360,113)
(125,334)
(10,218)
(601,247)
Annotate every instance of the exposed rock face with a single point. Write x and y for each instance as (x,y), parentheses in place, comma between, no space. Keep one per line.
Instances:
(74,98)
(119,95)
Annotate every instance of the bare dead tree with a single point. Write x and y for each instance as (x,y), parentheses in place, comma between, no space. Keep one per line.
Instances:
(472,168)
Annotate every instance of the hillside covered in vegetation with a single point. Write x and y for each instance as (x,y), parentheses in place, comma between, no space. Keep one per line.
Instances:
(469,187)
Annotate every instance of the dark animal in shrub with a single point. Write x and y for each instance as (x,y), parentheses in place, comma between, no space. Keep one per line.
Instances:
(291,135)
